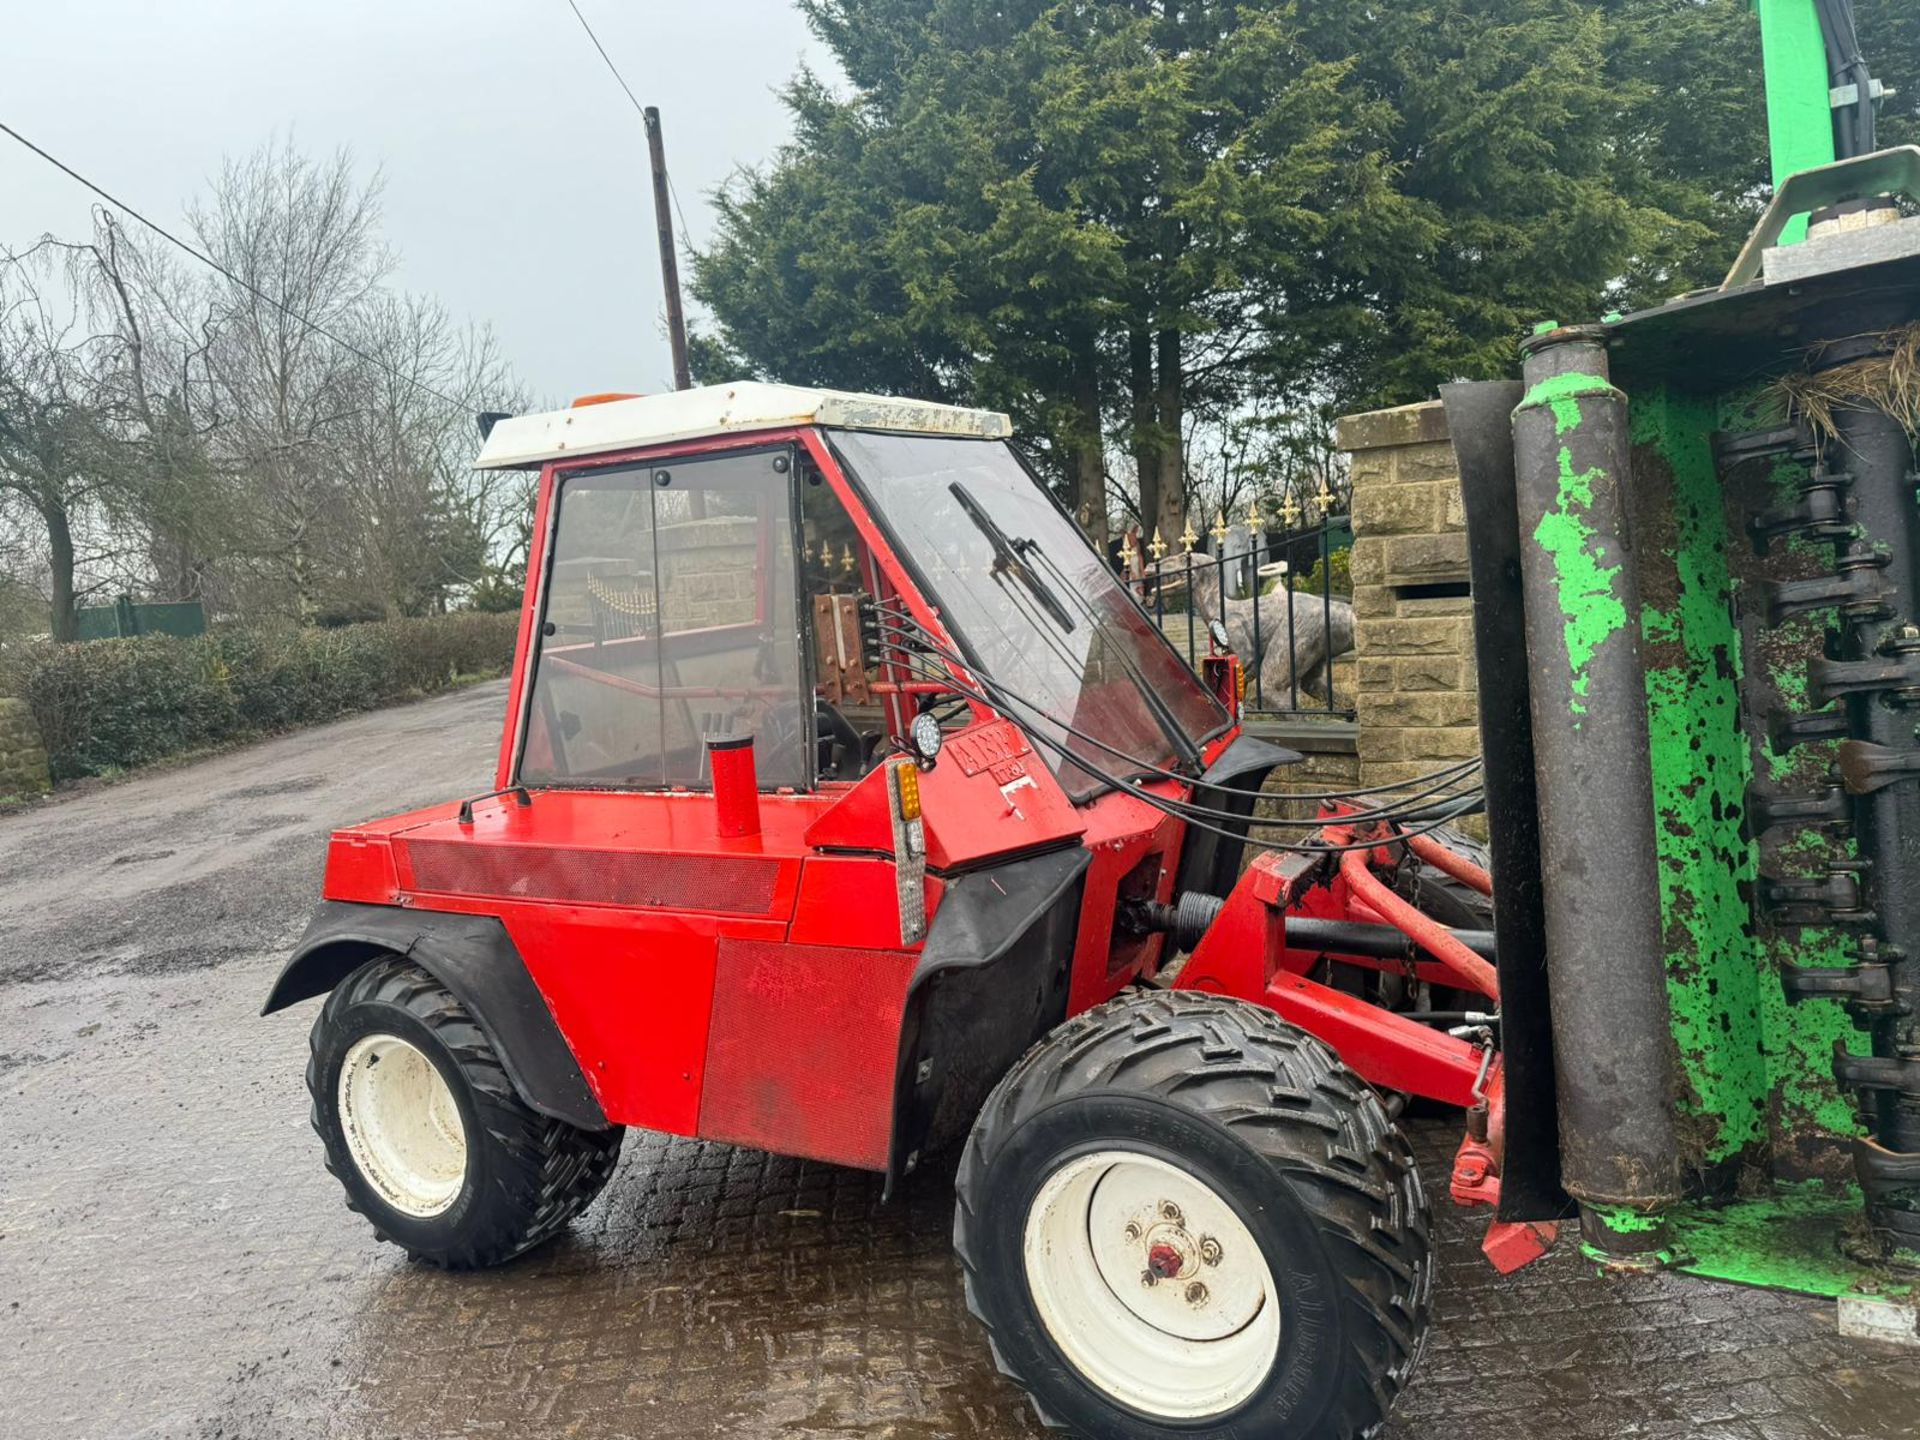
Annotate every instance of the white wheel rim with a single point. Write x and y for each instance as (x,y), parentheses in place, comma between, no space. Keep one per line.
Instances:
(1200,1339)
(402,1125)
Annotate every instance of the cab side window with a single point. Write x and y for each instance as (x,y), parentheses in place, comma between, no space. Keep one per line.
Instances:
(670,619)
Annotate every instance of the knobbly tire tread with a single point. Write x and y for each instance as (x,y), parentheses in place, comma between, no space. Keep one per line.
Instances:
(1286,1096)
(1448,900)
(542,1172)
(1456,904)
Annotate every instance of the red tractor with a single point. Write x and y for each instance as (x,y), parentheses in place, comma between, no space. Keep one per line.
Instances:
(850,807)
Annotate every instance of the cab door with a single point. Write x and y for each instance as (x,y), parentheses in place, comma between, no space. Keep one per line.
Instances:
(667,617)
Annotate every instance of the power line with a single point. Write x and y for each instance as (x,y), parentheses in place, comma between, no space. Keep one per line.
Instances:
(213,264)
(686,230)
(639,109)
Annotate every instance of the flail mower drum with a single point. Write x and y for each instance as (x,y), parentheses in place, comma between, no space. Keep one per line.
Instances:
(1699,523)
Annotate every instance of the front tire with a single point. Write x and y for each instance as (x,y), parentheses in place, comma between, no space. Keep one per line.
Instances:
(425,1132)
(1180,1216)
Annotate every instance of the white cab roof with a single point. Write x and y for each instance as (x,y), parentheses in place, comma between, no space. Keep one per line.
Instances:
(734,409)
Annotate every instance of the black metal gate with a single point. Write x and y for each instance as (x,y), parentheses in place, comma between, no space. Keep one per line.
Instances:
(1287,639)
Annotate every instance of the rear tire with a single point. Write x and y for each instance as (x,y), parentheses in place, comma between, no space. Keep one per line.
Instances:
(425,1133)
(1265,1191)
(1458,906)
(1452,902)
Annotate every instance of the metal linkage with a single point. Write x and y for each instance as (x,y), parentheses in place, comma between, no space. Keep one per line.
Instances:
(1787,730)
(1825,807)
(1856,589)
(1890,674)
(1868,683)
(1865,987)
(1837,897)
(1794,442)
(1819,514)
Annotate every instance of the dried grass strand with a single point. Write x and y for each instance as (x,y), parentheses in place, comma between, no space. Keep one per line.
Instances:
(1888,382)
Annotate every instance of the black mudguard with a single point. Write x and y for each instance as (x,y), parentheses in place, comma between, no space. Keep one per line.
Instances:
(472,956)
(1210,862)
(992,979)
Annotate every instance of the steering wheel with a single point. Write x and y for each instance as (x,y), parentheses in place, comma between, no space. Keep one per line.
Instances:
(842,751)
(841,755)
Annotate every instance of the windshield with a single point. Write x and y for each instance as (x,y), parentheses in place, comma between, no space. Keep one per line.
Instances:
(1033,605)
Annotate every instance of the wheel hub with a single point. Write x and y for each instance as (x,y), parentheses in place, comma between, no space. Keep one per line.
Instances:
(1151,1283)
(1165,1260)
(1144,1229)
(402,1125)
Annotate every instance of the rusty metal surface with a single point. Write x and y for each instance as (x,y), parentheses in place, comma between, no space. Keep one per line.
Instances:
(175,1263)
(1587,688)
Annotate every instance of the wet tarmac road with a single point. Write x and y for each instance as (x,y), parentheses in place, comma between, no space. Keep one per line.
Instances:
(175,1262)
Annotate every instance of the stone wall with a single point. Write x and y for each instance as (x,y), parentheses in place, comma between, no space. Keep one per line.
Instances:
(1416,692)
(23,759)
(1329,761)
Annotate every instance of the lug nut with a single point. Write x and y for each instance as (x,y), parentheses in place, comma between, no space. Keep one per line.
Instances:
(1133,1231)
(1170,1212)
(1209,1250)
(1149,1279)
(1196,1292)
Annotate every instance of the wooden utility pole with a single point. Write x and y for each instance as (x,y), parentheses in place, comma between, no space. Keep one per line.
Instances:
(669,263)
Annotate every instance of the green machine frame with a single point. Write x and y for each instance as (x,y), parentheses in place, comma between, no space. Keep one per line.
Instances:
(1718,544)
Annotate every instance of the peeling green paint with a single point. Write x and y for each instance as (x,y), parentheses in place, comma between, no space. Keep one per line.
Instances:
(1622,1221)
(1792,1239)
(1757,1072)
(1801,1038)
(1701,770)
(1562,395)
(1586,583)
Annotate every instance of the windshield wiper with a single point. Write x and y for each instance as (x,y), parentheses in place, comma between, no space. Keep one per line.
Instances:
(1009,555)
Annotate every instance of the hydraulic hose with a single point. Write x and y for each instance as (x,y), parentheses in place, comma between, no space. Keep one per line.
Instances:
(1451,862)
(1436,939)
(1171,808)
(902,633)
(997,696)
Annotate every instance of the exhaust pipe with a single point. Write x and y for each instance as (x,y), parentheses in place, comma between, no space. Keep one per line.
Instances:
(736,786)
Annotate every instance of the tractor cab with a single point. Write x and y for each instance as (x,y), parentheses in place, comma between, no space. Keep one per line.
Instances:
(809,586)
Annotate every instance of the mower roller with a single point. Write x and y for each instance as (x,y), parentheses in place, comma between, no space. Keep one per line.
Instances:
(850,807)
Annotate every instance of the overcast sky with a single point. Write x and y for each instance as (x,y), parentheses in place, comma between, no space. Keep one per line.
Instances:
(516,170)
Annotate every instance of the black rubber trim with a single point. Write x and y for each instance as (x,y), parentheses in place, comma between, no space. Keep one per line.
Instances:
(475,959)
(1210,863)
(992,979)
(1479,419)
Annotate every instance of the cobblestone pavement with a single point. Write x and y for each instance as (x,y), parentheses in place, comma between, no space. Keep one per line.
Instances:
(175,1262)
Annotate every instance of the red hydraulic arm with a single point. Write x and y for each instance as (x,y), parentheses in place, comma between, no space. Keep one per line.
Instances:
(1245,953)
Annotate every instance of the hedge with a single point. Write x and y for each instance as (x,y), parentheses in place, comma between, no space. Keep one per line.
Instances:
(112,704)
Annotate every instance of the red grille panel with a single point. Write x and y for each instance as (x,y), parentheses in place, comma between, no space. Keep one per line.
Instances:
(733,884)
(802,1049)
